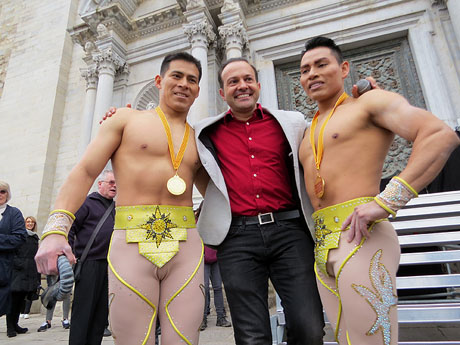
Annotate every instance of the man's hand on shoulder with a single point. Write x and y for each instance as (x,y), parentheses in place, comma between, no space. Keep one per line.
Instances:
(111,112)
(50,248)
(360,219)
(374,85)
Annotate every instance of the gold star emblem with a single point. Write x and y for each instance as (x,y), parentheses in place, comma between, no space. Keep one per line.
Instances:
(158,226)
(321,231)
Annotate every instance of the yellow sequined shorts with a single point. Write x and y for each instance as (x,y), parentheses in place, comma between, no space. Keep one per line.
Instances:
(156,228)
(328,224)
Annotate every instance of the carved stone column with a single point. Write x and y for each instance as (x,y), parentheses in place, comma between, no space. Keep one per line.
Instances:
(90,74)
(454,12)
(200,34)
(235,38)
(233,32)
(107,64)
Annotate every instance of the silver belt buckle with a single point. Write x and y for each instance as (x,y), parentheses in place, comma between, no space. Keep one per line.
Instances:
(270,220)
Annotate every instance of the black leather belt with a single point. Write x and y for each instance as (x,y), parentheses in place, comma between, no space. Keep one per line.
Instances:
(266,218)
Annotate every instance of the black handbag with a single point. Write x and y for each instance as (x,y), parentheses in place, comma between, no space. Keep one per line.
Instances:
(81,260)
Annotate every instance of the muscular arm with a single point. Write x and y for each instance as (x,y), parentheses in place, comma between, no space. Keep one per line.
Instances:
(75,188)
(433,142)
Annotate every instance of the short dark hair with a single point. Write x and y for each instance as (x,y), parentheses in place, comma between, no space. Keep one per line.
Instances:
(322,41)
(229,61)
(180,56)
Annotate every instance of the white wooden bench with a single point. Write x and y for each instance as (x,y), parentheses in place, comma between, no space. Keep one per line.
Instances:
(427,222)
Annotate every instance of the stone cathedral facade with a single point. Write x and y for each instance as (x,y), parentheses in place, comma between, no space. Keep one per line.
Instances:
(64,63)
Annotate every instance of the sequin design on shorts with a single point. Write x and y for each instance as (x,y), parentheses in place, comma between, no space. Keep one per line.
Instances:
(326,239)
(381,299)
(157,226)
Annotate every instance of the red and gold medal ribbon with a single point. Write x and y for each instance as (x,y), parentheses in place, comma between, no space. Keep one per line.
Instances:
(318,155)
(176,160)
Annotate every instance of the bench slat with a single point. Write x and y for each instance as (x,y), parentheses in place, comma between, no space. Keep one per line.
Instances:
(437,239)
(435,198)
(438,257)
(428,312)
(428,281)
(427,212)
(427,225)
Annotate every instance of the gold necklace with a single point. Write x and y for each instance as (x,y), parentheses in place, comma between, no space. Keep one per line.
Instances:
(176,185)
(319,181)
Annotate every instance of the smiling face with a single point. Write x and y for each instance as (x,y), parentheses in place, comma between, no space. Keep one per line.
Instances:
(30,224)
(322,75)
(179,86)
(240,88)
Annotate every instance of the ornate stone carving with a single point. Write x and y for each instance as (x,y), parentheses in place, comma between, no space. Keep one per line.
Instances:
(108,61)
(147,98)
(102,31)
(90,48)
(200,31)
(192,4)
(439,2)
(230,5)
(91,75)
(234,34)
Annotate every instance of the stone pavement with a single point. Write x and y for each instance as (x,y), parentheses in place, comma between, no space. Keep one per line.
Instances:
(57,335)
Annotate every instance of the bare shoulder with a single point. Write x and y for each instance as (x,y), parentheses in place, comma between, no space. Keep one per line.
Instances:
(377,101)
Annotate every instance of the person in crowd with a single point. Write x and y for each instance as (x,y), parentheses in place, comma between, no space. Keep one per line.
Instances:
(212,275)
(12,235)
(342,154)
(25,278)
(155,256)
(32,240)
(90,302)
(50,312)
(254,211)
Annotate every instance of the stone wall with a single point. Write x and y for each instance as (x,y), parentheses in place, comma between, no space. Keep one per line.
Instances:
(33,98)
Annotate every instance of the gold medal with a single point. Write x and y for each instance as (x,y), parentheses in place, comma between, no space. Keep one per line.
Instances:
(319,186)
(176,185)
(318,155)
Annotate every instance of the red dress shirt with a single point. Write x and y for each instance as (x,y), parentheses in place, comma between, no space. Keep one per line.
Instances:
(253,159)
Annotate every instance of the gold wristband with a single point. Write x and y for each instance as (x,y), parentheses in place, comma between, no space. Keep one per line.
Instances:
(385,207)
(407,185)
(70,214)
(396,194)
(51,232)
(59,222)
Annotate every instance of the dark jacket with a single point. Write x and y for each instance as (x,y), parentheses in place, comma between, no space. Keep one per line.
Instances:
(12,235)
(25,275)
(86,219)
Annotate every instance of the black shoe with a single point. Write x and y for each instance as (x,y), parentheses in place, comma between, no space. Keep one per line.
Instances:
(20,330)
(11,334)
(223,322)
(44,327)
(107,332)
(204,324)
(65,324)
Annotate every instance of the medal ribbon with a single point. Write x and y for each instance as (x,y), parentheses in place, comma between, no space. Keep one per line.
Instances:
(178,159)
(319,156)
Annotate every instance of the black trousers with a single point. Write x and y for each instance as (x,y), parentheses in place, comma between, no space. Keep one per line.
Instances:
(90,304)
(12,318)
(282,252)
